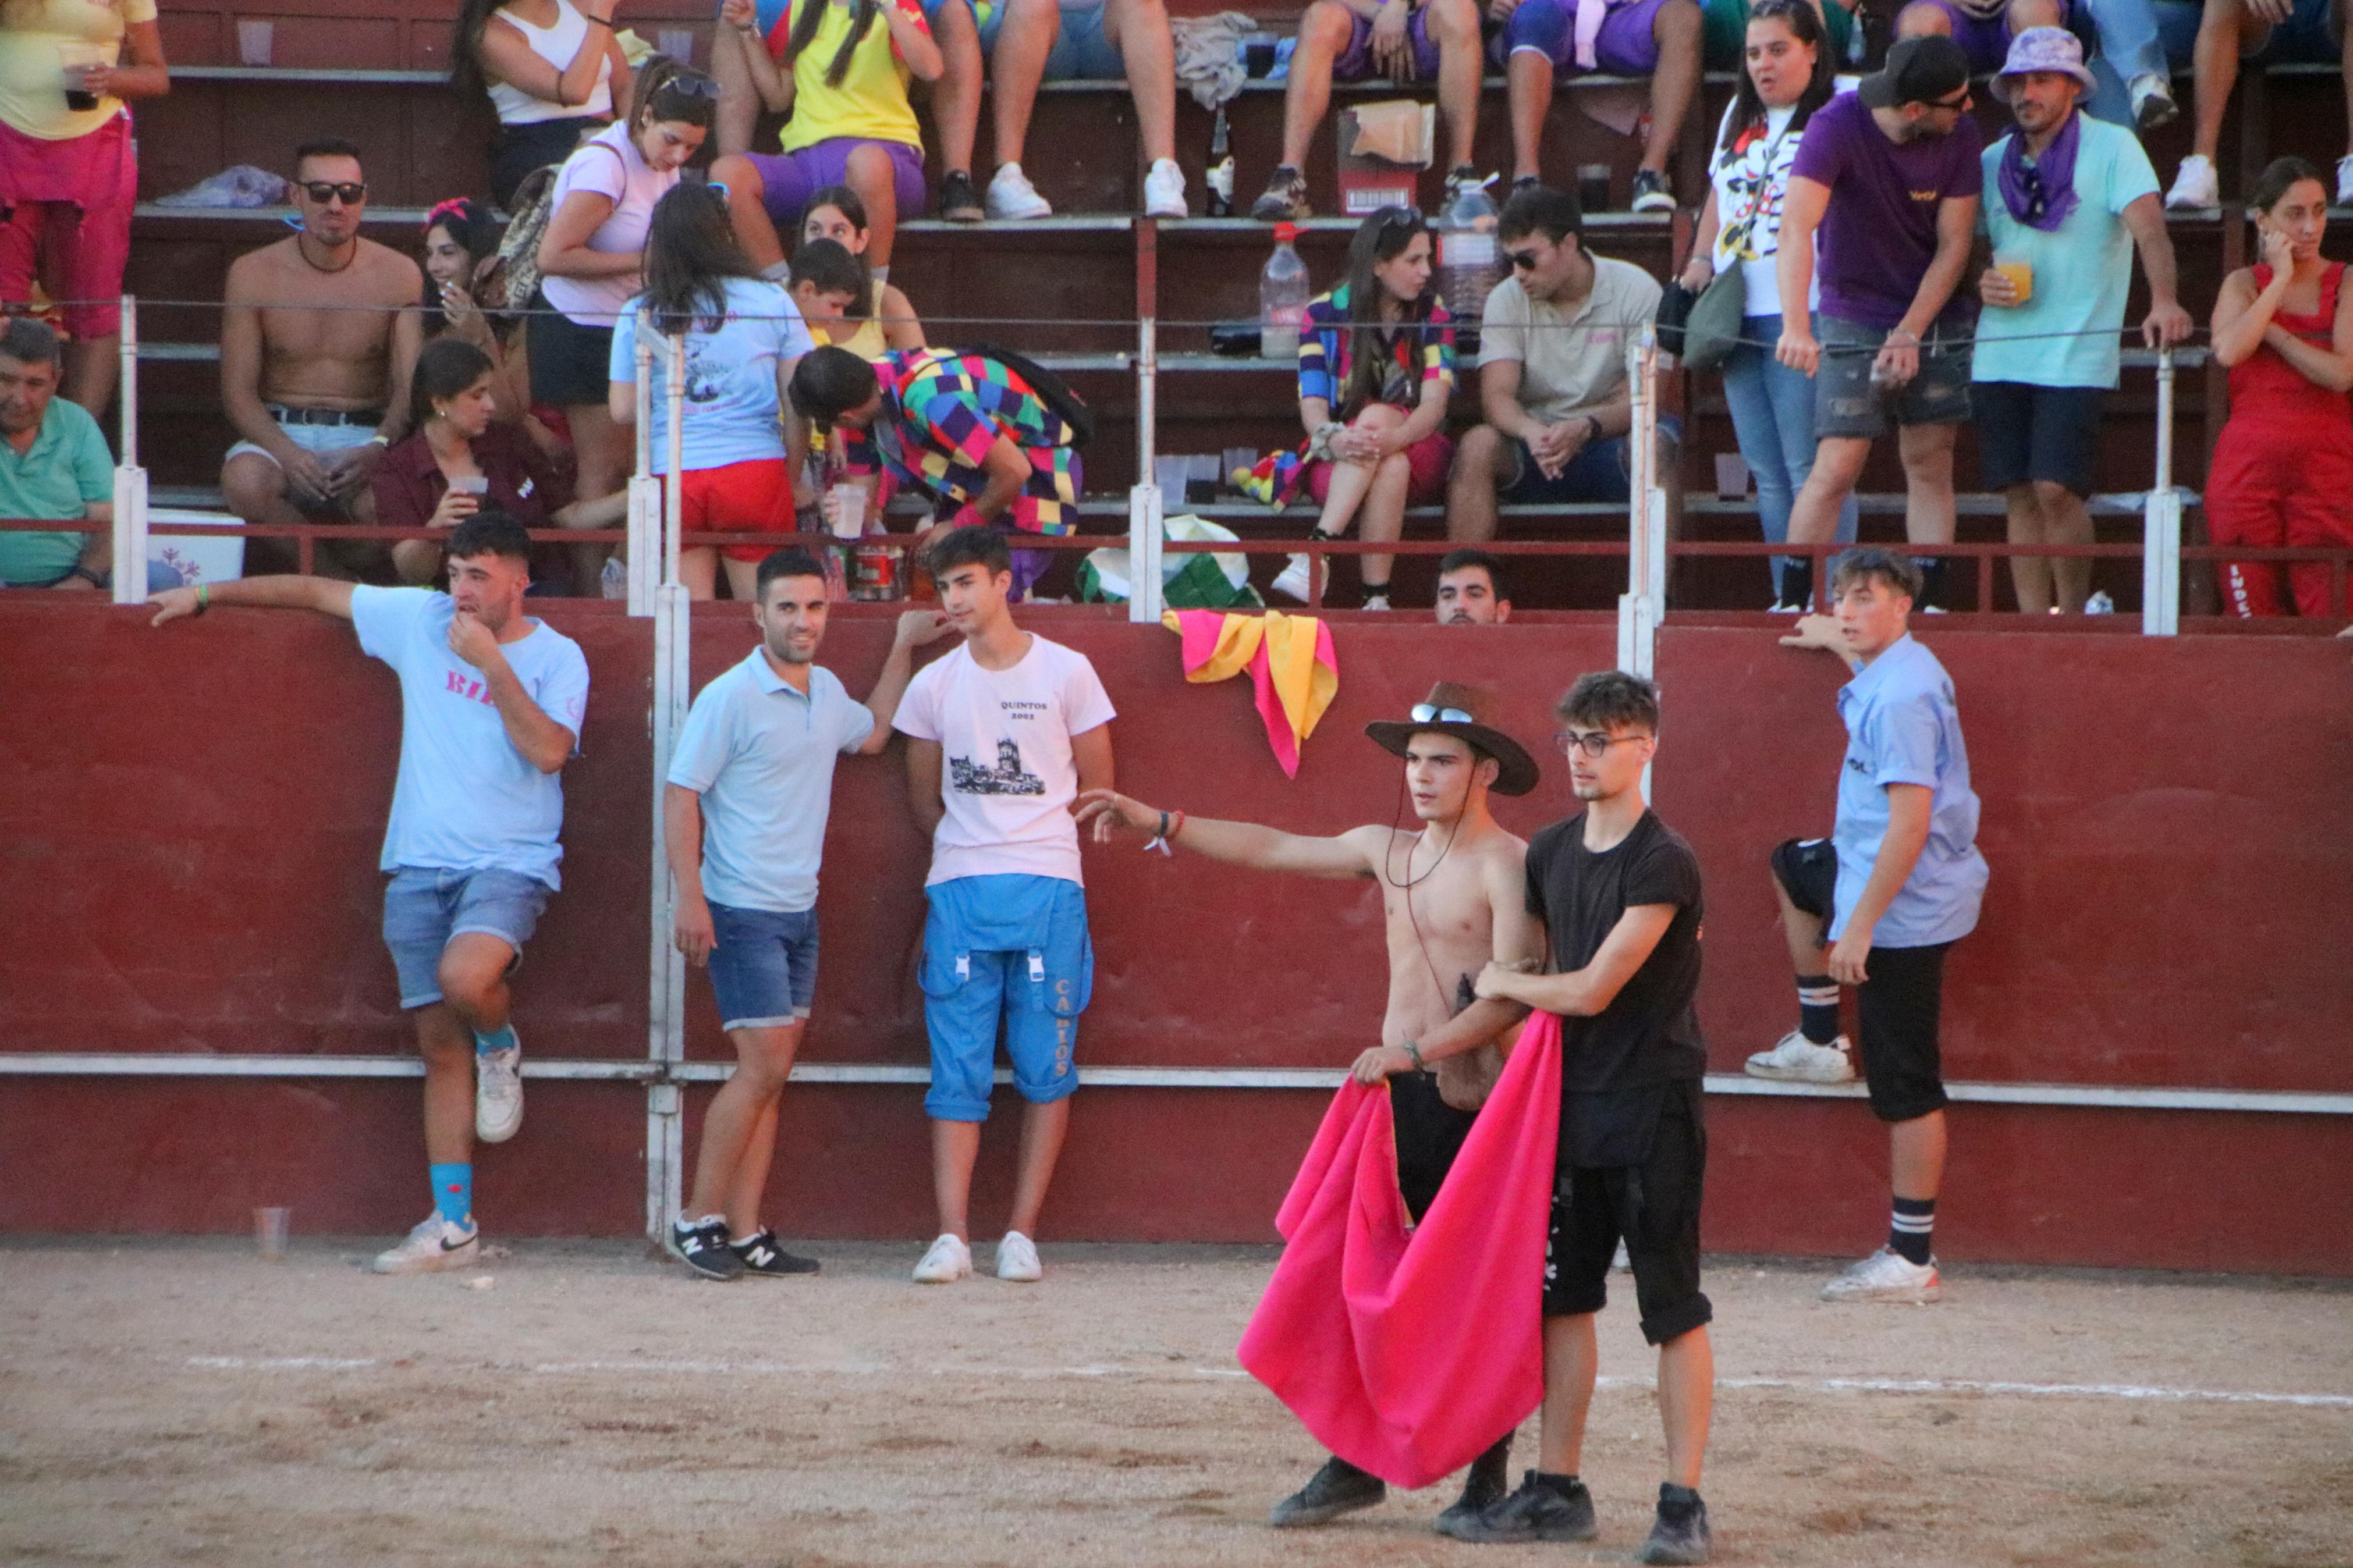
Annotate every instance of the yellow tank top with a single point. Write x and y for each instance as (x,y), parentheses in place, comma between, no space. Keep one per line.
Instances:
(868,342)
(871,104)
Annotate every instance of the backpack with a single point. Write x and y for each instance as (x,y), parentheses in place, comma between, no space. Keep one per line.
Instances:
(513,275)
(1051,389)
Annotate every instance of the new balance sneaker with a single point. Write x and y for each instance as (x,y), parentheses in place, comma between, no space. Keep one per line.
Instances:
(1164,190)
(764,1259)
(702,1246)
(1291,581)
(1886,1276)
(1017,1259)
(1651,191)
(2195,184)
(1679,1534)
(497,1092)
(1011,195)
(2152,101)
(436,1245)
(1489,1482)
(948,1261)
(1542,1510)
(1338,1487)
(1798,1060)
(960,198)
(1284,199)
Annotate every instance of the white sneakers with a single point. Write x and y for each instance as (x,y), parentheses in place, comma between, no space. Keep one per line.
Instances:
(497,1092)
(1291,581)
(1011,195)
(950,1260)
(1164,190)
(2152,101)
(1798,1060)
(2195,185)
(433,1246)
(1886,1276)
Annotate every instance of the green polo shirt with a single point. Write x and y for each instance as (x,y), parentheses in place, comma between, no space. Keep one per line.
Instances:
(67,468)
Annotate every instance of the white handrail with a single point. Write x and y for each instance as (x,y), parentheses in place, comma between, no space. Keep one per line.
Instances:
(1644,602)
(2160,554)
(645,489)
(1145,503)
(666,987)
(128,529)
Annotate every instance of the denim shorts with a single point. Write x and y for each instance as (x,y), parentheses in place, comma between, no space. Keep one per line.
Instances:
(1010,954)
(1847,404)
(425,907)
(764,967)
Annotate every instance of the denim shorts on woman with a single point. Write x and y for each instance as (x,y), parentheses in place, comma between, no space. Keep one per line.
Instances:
(764,967)
(425,908)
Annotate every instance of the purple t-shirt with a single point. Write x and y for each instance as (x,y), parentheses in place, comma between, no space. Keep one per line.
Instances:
(1879,233)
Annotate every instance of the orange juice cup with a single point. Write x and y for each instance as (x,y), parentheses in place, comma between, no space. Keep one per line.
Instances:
(2021,278)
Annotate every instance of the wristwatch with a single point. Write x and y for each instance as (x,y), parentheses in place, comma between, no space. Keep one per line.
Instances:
(1594,434)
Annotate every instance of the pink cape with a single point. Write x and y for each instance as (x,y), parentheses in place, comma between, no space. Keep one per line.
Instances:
(1409,1354)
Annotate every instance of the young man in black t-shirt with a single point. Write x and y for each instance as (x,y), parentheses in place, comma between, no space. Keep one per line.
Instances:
(1620,895)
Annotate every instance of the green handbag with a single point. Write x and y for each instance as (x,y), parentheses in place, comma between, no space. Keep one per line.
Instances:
(1711,331)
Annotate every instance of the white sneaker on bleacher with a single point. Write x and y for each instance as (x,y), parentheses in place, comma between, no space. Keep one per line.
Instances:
(1797,1059)
(1291,581)
(1012,196)
(2194,184)
(1164,190)
(2152,101)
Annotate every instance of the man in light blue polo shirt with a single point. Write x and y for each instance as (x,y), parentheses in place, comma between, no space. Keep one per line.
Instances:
(1897,884)
(750,786)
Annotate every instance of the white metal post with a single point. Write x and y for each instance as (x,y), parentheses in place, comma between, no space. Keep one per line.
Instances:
(666,987)
(1145,503)
(130,529)
(645,489)
(1640,607)
(2160,552)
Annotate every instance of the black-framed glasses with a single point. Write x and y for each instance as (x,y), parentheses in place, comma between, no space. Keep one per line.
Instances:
(1592,742)
(1430,713)
(350,193)
(1522,260)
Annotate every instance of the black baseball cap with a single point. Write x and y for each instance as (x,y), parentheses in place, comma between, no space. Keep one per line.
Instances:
(1918,70)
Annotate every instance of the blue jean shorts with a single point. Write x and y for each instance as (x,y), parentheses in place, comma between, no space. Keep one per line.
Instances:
(425,907)
(1004,955)
(764,968)
(1082,52)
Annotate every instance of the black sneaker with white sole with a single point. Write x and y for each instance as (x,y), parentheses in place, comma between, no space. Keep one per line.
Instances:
(1545,1508)
(1338,1487)
(960,198)
(764,1259)
(703,1249)
(1651,192)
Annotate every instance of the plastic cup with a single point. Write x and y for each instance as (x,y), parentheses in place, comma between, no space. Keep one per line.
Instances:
(270,1233)
(476,485)
(845,510)
(253,40)
(678,43)
(2021,278)
(1593,187)
(1731,476)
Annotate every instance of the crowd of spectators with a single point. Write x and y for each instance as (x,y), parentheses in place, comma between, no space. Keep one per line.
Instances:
(1881,282)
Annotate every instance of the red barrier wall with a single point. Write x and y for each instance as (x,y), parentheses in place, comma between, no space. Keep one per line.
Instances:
(191,820)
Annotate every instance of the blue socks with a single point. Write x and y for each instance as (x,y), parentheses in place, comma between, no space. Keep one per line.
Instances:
(1913,1228)
(453,1191)
(498,1040)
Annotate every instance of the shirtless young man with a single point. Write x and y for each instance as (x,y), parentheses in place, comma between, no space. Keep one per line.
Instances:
(1454,900)
(317,395)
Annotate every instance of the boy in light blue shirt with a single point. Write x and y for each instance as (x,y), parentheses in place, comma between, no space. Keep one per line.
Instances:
(1888,893)
(2067,197)
(744,814)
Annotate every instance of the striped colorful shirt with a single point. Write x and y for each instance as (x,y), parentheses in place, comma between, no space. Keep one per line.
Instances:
(942,411)
(1417,354)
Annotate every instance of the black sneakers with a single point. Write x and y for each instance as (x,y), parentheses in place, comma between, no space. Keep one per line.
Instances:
(1284,199)
(959,198)
(1545,1508)
(703,1249)
(1489,1480)
(1338,1487)
(1651,191)
(1680,1533)
(764,1259)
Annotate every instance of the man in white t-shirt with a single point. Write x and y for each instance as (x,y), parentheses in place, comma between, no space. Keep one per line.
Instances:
(491,704)
(1552,371)
(751,784)
(1003,734)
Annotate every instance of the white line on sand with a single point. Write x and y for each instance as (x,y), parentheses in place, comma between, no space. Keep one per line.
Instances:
(662,1368)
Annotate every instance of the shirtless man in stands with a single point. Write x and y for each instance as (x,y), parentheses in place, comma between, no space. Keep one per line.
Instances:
(1454,899)
(317,395)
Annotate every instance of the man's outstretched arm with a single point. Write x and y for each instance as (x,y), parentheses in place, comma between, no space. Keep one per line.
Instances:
(1235,843)
(1583,993)
(288,592)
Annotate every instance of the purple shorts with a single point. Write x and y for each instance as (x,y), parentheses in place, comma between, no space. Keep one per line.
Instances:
(1355,61)
(1985,39)
(787,180)
(1625,46)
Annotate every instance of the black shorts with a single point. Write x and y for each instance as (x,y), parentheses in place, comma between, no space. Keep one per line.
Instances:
(2027,432)
(1653,1207)
(570,363)
(1898,1004)
(1429,1134)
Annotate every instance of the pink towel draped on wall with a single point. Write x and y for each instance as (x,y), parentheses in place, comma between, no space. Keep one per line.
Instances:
(1294,673)
(1407,1354)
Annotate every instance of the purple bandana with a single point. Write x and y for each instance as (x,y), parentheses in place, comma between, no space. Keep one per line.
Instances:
(2041,194)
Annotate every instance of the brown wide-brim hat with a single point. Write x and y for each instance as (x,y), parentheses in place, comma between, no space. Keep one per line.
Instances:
(1461,711)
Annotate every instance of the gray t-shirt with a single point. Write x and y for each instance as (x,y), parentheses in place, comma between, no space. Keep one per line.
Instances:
(1574,357)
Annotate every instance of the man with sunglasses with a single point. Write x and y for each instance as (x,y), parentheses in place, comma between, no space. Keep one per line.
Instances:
(1452,898)
(1889,176)
(317,343)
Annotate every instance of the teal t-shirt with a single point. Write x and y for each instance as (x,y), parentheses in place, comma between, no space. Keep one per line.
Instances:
(2082,268)
(68,467)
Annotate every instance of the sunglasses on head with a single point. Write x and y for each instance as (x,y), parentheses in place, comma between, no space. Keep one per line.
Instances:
(1430,713)
(691,84)
(350,193)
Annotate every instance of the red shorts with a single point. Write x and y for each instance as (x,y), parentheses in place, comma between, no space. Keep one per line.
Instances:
(65,217)
(1431,458)
(738,498)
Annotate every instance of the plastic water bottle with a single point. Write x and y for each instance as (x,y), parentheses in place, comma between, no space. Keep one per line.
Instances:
(1282,292)
(1469,258)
